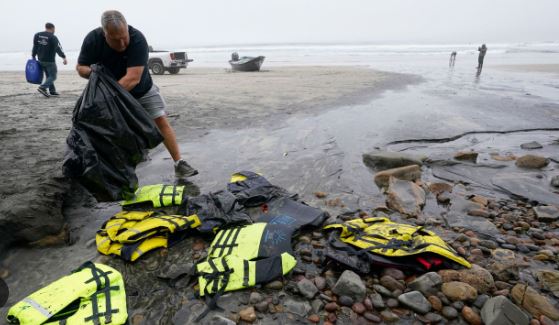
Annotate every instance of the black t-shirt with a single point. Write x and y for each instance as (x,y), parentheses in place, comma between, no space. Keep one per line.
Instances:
(96,50)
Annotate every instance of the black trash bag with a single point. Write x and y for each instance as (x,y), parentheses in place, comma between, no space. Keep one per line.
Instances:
(110,133)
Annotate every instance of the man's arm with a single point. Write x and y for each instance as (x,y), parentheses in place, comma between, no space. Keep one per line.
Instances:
(34,50)
(131,78)
(59,51)
(83,70)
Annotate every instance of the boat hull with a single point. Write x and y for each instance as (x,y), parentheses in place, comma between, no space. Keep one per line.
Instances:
(247,64)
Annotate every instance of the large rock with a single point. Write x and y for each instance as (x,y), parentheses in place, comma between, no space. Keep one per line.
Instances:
(459,291)
(533,302)
(415,301)
(501,311)
(307,288)
(428,284)
(532,162)
(405,197)
(549,280)
(504,266)
(408,173)
(383,160)
(457,216)
(466,156)
(297,307)
(529,185)
(32,215)
(477,277)
(350,284)
(546,213)
(531,145)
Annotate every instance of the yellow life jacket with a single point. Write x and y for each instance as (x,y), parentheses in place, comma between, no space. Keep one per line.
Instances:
(242,257)
(159,195)
(130,234)
(232,272)
(381,236)
(93,294)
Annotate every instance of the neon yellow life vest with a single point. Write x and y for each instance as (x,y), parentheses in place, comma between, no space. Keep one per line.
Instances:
(159,195)
(232,272)
(382,236)
(242,257)
(130,234)
(93,294)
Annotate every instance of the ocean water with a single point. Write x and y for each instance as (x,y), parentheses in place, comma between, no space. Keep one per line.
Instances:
(385,56)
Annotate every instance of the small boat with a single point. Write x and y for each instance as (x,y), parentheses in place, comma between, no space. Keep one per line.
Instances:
(246,63)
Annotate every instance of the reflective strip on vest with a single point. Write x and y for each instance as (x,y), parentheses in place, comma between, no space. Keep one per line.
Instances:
(38,307)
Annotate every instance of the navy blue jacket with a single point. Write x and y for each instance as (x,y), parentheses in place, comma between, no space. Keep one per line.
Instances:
(45,46)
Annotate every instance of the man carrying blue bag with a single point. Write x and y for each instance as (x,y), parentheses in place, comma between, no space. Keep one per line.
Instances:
(45,46)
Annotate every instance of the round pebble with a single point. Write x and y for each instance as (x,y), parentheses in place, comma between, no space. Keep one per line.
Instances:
(449,312)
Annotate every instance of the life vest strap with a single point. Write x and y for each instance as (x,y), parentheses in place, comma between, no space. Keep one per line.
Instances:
(164,193)
(245,273)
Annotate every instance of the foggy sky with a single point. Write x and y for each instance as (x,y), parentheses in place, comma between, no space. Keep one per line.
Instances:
(183,24)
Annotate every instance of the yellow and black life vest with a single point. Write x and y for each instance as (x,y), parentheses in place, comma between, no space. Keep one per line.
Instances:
(230,272)
(242,257)
(159,195)
(130,234)
(93,294)
(381,236)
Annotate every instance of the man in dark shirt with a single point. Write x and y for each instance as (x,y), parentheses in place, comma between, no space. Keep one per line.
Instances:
(123,50)
(45,46)
(482,50)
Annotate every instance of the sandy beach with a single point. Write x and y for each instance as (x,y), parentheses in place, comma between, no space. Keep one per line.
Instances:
(305,128)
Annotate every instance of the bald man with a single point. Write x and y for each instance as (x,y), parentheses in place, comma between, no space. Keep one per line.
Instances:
(123,50)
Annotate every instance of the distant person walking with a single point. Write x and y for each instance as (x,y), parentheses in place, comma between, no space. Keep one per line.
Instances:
(45,46)
(482,50)
(123,50)
(452,59)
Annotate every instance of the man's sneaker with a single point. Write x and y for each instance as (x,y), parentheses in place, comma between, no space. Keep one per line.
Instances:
(43,91)
(183,169)
(54,94)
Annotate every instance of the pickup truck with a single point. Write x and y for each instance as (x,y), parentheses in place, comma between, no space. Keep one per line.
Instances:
(161,61)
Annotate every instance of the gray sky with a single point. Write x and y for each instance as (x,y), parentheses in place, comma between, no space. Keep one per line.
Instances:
(182,24)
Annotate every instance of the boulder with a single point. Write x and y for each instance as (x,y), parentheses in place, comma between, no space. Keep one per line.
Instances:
(350,284)
(504,266)
(501,311)
(408,173)
(477,277)
(533,302)
(383,160)
(405,197)
(459,291)
(466,156)
(549,280)
(34,214)
(546,213)
(531,162)
(531,145)
(428,284)
(306,288)
(415,301)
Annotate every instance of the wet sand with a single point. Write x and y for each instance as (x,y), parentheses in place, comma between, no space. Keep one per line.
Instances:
(544,68)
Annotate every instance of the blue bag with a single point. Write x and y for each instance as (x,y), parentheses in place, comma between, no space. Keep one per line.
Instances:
(33,72)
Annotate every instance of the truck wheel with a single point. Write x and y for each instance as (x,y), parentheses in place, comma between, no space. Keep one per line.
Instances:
(174,70)
(157,68)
